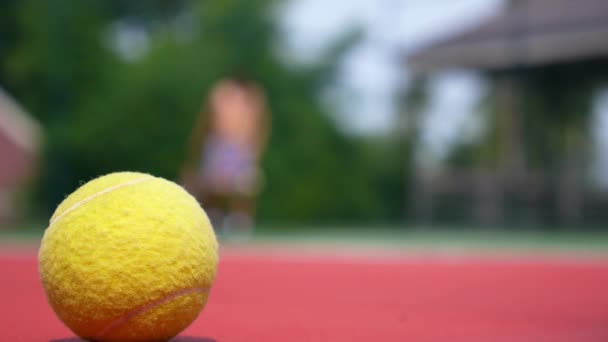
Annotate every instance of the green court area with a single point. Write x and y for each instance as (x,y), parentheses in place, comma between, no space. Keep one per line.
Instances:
(443,240)
(388,238)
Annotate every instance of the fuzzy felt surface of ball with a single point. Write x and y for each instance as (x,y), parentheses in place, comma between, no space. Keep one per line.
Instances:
(128,257)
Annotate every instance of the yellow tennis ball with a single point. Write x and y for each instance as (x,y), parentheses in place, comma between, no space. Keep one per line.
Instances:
(128,257)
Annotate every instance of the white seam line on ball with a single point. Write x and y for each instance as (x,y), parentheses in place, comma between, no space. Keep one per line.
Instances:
(129,315)
(92,197)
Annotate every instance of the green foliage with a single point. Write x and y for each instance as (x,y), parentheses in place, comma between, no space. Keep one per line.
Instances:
(59,57)
(104,114)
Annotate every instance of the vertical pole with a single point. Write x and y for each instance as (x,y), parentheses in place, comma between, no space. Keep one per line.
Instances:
(510,168)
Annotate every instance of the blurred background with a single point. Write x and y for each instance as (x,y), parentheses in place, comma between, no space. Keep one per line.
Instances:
(406,114)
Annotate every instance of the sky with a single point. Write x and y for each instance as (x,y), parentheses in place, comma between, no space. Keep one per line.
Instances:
(374,68)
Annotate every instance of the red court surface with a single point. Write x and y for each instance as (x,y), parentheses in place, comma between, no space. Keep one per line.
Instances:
(261,296)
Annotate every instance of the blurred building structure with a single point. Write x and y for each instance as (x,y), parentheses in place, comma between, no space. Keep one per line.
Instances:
(19,148)
(556,50)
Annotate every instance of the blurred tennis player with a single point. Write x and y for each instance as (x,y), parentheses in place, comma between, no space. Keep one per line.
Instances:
(226,146)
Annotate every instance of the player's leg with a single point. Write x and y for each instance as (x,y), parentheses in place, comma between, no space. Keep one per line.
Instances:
(215,205)
(241,216)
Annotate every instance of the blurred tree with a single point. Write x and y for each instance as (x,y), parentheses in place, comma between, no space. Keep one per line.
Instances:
(9,37)
(105,111)
(56,59)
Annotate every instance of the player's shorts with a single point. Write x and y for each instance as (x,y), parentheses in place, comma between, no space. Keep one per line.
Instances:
(228,168)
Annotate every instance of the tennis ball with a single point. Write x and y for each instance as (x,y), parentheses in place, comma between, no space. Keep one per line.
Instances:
(128,257)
